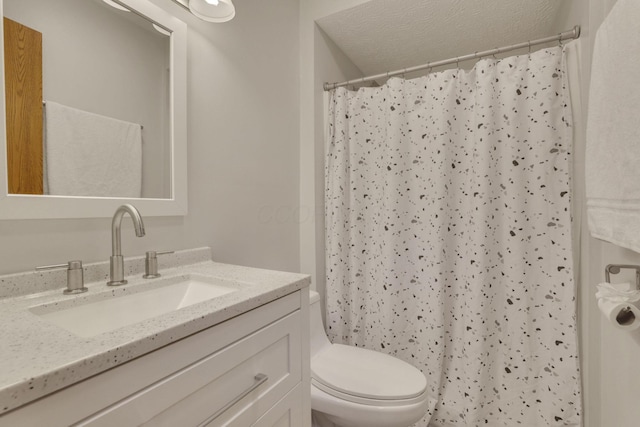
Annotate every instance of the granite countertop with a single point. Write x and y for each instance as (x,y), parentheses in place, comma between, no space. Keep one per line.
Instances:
(39,357)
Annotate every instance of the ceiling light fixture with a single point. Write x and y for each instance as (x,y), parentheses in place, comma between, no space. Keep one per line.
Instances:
(213,10)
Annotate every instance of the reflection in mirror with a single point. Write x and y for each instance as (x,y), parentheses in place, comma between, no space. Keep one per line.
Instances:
(88,101)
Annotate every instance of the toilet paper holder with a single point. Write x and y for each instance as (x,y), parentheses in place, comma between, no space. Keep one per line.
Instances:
(625,316)
(615,269)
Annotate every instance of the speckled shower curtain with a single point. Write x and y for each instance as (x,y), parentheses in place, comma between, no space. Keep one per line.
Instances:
(448,236)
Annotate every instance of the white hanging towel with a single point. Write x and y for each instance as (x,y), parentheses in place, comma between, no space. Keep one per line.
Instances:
(91,155)
(613,129)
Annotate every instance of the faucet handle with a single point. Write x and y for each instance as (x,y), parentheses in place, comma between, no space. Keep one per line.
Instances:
(75,276)
(151,264)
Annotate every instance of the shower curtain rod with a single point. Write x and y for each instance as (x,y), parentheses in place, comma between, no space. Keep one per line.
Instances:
(567,35)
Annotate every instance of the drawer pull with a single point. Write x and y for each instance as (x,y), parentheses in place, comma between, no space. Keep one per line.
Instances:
(259,380)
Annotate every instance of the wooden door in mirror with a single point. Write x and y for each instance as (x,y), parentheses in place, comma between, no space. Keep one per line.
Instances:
(23,90)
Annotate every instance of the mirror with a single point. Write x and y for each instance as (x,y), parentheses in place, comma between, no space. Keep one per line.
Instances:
(83,77)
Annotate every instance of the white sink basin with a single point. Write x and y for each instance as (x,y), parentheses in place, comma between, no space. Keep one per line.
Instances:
(113,312)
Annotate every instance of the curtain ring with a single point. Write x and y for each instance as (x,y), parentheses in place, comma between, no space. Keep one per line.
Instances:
(494,53)
(404,71)
(529,43)
(560,39)
(457,62)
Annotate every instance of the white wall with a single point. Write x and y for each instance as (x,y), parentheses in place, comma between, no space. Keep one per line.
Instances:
(616,354)
(321,61)
(611,380)
(242,154)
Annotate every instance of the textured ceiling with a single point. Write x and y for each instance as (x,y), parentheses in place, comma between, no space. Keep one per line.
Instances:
(387,35)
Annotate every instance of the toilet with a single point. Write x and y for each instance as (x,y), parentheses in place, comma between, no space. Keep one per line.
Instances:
(356,387)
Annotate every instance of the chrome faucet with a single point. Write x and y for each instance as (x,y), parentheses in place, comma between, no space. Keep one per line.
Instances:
(117,260)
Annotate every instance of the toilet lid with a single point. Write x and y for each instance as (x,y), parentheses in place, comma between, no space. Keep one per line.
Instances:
(366,374)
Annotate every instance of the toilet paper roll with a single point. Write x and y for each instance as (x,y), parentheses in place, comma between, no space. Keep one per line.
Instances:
(622,315)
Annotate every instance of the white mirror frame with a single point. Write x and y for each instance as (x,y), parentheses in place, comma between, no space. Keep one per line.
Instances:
(22,206)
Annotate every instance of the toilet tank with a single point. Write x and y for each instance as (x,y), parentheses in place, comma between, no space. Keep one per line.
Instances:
(319,338)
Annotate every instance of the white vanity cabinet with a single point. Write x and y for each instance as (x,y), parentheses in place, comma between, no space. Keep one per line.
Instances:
(251,370)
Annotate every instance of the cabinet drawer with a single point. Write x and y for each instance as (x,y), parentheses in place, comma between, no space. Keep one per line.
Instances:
(286,413)
(206,388)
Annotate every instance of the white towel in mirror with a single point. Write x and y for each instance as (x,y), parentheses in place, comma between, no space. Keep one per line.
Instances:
(87,154)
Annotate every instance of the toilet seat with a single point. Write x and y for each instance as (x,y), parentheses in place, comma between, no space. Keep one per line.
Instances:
(367,377)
